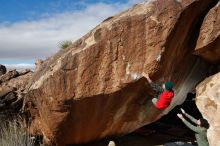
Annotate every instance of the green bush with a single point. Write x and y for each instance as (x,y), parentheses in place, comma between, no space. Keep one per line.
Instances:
(65,44)
(13,134)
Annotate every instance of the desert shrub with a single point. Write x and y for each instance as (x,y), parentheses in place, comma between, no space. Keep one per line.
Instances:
(65,44)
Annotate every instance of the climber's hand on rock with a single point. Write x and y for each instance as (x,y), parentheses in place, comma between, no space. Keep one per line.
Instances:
(183,111)
(180,116)
(135,76)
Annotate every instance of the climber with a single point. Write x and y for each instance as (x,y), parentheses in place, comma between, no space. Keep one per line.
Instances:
(200,129)
(165,93)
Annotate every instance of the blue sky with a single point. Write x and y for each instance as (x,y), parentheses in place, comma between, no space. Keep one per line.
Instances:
(19,10)
(32,29)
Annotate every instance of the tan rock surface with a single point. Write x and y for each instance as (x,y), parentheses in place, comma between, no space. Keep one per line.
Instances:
(38,64)
(9,75)
(19,82)
(208,102)
(208,44)
(86,92)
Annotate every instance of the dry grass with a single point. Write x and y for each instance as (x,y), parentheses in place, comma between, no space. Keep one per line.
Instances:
(13,134)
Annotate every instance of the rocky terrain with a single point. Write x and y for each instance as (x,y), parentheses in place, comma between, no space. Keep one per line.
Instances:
(94,89)
(208,92)
(12,90)
(208,42)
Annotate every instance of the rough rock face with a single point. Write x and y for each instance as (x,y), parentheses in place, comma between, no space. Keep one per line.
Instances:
(208,44)
(12,86)
(87,92)
(2,69)
(38,64)
(208,102)
(9,75)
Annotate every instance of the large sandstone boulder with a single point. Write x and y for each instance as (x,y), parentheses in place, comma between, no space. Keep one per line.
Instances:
(208,44)
(208,102)
(87,92)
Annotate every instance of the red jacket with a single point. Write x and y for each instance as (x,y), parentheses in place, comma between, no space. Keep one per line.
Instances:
(164,99)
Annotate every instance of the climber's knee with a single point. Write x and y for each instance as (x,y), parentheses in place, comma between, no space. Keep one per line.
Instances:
(111,143)
(154,101)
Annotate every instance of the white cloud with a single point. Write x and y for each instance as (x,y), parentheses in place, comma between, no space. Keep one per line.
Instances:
(40,38)
(20,66)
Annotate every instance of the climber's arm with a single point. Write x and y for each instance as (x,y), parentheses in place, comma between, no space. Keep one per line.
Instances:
(147,77)
(155,86)
(189,116)
(189,125)
(192,127)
